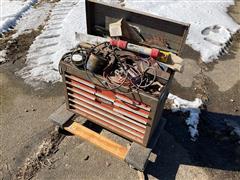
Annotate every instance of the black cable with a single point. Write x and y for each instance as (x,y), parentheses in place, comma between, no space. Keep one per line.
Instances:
(99,80)
(107,86)
(152,81)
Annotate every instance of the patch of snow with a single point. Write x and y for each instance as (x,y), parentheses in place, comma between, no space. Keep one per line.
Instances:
(49,46)
(32,19)
(73,23)
(211,27)
(192,107)
(62,33)
(74,31)
(2,56)
(11,11)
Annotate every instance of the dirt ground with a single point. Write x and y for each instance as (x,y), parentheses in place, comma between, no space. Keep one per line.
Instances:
(30,147)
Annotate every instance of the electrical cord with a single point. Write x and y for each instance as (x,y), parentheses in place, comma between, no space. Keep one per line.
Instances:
(142,83)
(100,80)
(152,81)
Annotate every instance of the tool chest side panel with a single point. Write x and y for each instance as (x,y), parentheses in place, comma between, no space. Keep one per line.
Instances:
(160,106)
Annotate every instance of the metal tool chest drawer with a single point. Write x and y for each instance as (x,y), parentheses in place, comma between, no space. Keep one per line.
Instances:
(133,115)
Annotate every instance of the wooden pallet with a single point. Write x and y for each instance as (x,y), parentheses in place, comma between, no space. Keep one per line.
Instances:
(136,155)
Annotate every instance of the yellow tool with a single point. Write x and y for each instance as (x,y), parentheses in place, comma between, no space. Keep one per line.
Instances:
(164,56)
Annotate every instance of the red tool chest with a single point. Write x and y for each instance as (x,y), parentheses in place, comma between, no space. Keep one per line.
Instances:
(135,115)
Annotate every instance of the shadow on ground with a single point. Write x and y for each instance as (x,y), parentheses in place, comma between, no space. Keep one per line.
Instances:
(213,149)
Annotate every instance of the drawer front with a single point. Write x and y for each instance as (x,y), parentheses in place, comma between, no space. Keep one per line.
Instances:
(111,110)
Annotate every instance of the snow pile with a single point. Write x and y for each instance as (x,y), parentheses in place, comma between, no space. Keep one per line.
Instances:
(73,32)
(11,11)
(192,107)
(32,19)
(47,49)
(62,33)
(73,23)
(211,27)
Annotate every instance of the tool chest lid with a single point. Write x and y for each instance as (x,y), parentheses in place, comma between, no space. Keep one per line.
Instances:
(158,32)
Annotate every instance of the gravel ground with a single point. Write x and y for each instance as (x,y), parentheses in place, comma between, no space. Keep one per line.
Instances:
(25,129)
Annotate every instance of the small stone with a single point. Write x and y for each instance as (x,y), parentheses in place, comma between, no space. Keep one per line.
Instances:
(236,110)
(86,158)
(108,164)
(26,110)
(232,100)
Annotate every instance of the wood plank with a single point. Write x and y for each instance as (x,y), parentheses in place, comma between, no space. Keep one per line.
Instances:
(98,140)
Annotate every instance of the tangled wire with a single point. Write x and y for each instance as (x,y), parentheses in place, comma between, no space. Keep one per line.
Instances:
(116,67)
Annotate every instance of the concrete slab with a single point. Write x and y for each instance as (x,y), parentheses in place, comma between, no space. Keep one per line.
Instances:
(24,119)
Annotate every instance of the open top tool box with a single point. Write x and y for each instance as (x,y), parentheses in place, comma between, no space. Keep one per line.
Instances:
(135,115)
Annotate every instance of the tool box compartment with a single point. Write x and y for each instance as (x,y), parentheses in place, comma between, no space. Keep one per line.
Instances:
(135,115)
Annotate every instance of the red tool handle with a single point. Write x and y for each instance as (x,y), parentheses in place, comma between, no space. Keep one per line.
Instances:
(119,43)
(154,53)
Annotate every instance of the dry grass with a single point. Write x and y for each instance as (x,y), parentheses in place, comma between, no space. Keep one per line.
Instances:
(41,158)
